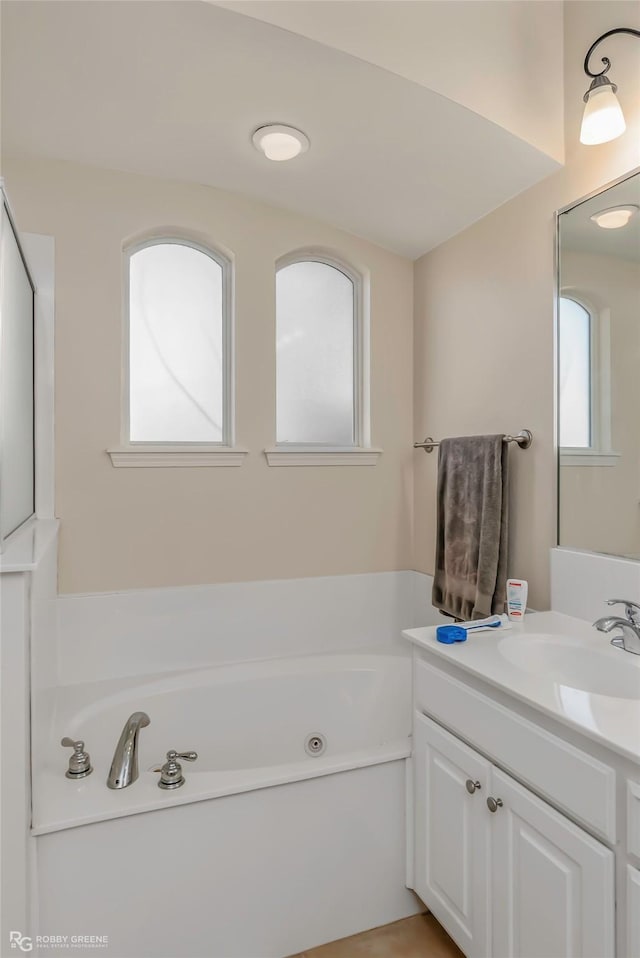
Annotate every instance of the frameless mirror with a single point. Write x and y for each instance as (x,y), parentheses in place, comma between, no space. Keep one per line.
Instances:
(598,371)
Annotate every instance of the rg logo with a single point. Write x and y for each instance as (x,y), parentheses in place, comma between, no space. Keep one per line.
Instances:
(20,941)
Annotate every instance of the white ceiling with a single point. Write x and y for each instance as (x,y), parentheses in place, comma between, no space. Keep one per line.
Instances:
(175,89)
(579,234)
(503,59)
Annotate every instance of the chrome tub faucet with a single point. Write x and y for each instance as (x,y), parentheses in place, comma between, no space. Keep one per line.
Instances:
(629,640)
(124,767)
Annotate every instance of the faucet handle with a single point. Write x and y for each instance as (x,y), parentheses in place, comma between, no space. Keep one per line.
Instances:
(80,761)
(631,609)
(171,772)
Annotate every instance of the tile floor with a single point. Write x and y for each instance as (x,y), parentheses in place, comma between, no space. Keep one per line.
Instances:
(418,937)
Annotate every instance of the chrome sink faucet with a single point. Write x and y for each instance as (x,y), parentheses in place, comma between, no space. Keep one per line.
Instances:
(124,767)
(629,640)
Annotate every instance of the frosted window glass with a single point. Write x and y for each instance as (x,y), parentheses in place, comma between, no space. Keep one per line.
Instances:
(575,374)
(315,355)
(175,345)
(16,387)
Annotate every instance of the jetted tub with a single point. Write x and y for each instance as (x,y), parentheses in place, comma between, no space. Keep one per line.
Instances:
(261,871)
(248,722)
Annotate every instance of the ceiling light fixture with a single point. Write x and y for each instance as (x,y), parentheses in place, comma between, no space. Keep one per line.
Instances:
(603,119)
(279,142)
(614,218)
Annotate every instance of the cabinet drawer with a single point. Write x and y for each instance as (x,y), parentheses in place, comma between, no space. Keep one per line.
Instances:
(633,818)
(569,778)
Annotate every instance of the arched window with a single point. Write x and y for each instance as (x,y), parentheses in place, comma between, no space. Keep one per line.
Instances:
(178,376)
(584,382)
(320,353)
(577,375)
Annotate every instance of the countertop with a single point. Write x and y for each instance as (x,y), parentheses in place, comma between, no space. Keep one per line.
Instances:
(597,694)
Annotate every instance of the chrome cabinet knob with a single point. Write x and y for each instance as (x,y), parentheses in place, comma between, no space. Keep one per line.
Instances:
(493,804)
(472,786)
(80,761)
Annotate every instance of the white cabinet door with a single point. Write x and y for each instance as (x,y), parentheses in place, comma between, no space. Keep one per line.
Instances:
(633,912)
(552,884)
(452,830)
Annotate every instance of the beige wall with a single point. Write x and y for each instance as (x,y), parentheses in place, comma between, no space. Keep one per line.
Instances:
(134,528)
(483,357)
(482,346)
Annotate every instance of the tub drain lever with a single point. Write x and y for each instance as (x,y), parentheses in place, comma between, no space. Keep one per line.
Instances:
(171,772)
(79,762)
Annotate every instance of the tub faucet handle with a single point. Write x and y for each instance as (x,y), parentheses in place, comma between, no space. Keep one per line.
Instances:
(171,772)
(80,761)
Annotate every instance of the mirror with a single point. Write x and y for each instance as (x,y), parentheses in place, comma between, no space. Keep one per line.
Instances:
(598,371)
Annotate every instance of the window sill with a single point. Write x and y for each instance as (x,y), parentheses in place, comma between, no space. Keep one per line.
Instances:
(588,457)
(178,456)
(327,456)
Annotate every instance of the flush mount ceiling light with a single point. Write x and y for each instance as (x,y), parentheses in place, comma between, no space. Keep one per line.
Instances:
(603,119)
(279,142)
(614,218)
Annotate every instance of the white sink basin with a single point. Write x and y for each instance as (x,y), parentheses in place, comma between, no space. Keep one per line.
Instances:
(570,663)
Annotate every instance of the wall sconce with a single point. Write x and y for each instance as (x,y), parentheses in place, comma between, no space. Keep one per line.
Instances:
(603,119)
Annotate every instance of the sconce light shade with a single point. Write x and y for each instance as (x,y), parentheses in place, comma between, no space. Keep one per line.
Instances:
(603,119)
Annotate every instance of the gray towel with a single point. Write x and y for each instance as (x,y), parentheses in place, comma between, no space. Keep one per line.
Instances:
(471,544)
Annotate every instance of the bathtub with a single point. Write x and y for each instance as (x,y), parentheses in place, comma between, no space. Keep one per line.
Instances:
(269,848)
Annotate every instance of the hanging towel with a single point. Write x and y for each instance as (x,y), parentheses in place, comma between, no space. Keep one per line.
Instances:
(471,543)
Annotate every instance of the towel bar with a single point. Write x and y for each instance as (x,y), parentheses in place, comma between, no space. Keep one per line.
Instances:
(524,440)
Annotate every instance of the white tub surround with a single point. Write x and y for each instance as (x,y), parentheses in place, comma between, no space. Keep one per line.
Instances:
(526,755)
(248,723)
(25,549)
(310,849)
(289,854)
(122,634)
(27,624)
(266,873)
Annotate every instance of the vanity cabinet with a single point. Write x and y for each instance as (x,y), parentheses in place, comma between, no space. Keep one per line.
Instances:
(633,911)
(452,833)
(505,873)
(633,868)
